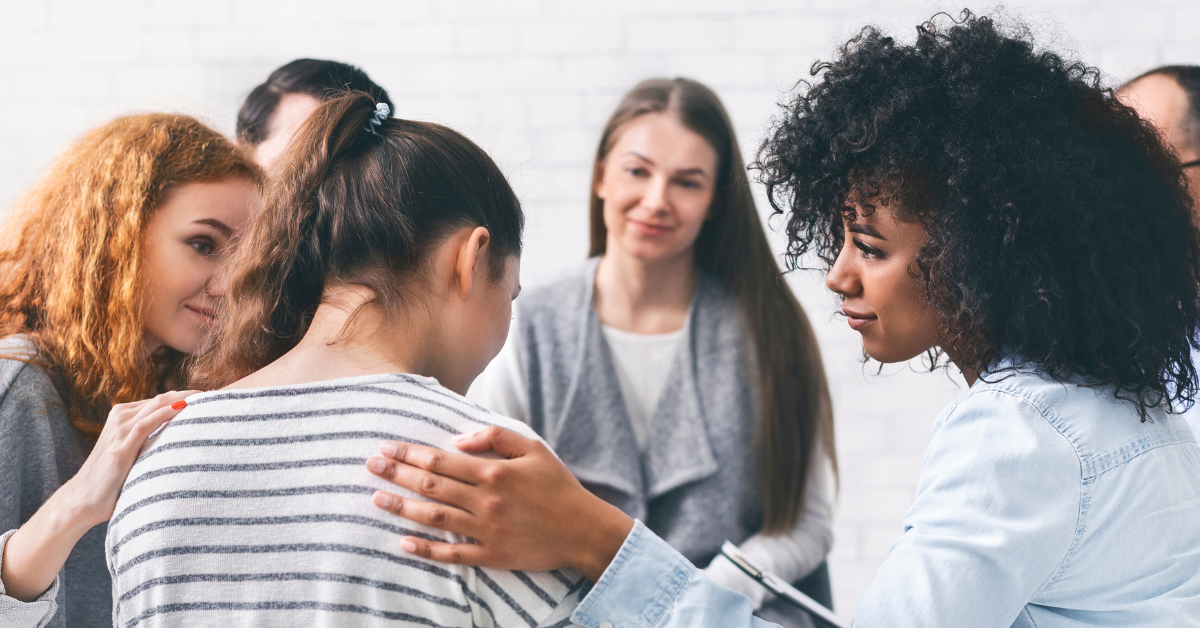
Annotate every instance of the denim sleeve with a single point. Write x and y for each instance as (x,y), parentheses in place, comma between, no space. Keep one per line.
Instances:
(998,504)
(650,585)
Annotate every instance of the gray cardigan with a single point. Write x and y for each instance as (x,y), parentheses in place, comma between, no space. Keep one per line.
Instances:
(39,451)
(698,482)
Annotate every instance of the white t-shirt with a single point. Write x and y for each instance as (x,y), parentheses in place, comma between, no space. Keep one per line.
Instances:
(643,362)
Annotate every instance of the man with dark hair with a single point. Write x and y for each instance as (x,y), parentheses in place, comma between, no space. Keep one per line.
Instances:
(274,110)
(1169,98)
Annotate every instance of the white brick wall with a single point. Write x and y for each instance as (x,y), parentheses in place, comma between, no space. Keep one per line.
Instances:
(533,81)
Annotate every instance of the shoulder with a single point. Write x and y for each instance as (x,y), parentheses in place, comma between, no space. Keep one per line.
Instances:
(21,377)
(478,416)
(568,289)
(1006,436)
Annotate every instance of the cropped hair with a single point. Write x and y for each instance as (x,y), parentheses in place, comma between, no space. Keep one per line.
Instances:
(73,255)
(1059,230)
(796,418)
(356,207)
(319,78)
(1188,79)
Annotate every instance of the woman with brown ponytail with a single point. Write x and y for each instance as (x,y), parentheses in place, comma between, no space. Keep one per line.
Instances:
(370,290)
(674,373)
(110,274)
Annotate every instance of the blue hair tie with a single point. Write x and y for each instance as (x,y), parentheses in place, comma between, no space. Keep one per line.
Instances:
(382,111)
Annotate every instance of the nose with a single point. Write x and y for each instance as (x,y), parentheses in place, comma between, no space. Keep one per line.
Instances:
(843,277)
(655,196)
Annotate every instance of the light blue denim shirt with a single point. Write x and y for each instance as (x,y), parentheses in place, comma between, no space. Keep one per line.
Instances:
(1039,504)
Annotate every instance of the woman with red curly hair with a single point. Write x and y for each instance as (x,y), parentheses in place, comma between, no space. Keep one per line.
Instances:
(110,275)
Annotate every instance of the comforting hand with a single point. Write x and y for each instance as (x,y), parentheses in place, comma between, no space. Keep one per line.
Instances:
(525,511)
(94,490)
(37,551)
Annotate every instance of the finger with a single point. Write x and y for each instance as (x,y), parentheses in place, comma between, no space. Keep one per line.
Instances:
(440,516)
(161,401)
(453,553)
(450,464)
(425,483)
(151,422)
(504,442)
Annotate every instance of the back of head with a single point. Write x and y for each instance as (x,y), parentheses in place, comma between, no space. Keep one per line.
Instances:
(70,269)
(319,78)
(360,205)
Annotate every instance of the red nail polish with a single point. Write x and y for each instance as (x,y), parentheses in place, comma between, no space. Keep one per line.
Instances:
(179,405)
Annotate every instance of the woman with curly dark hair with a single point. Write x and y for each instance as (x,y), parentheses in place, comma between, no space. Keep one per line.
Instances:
(977,199)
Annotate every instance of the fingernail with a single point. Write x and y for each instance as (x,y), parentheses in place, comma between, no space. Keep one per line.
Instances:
(383,500)
(461,437)
(376,464)
(387,449)
(408,546)
(179,405)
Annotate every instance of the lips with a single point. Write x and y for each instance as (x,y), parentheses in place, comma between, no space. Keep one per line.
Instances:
(207,314)
(858,320)
(649,228)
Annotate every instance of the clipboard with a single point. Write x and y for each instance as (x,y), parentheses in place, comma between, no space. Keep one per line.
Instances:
(821,615)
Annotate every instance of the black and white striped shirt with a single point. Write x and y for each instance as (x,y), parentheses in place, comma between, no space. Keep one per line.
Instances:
(253,507)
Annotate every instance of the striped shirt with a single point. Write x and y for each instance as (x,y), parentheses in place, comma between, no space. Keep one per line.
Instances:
(253,507)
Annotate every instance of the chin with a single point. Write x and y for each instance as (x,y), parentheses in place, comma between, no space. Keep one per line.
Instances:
(884,354)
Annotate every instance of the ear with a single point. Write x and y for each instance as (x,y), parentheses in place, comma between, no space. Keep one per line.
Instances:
(472,260)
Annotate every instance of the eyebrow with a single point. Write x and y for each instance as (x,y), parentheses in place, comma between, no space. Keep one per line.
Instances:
(866,230)
(700,171)
(216,224)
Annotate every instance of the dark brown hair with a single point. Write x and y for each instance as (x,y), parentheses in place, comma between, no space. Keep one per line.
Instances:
(797,416)
(356,207)
(71,262)
(320,78)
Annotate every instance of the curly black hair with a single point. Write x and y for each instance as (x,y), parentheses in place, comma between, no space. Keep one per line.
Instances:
(1059,229)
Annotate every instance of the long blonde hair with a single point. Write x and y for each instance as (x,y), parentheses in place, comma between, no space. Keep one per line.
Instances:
(71,254)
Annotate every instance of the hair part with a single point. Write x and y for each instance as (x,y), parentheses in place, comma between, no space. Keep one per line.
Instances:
(72,260)
(319,78)
(355,207)
(796,420)
(1059,230)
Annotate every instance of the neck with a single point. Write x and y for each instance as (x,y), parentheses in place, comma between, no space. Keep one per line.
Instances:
(368,346)
(644,297)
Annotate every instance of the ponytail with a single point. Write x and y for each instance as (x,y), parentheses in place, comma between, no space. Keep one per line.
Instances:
(356,204)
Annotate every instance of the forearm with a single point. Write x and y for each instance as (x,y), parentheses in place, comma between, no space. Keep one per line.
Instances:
(37,551)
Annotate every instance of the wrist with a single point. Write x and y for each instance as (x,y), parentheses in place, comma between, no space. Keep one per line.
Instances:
(71,511)
(603,537)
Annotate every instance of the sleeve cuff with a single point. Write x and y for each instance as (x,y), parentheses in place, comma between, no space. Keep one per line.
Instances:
(639,585)
(14,612)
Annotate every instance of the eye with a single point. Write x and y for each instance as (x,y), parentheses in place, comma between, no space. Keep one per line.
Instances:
(203,246)
(868,251)
(690,184)
(638,171)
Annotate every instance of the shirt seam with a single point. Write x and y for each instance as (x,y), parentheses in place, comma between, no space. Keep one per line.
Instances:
(1084,484)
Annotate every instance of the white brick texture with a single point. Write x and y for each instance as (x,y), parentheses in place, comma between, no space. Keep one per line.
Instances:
(533,81)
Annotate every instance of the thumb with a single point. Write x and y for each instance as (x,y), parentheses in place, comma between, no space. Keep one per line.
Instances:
(504,442)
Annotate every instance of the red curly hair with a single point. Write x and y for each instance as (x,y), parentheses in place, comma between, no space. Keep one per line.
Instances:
(71,255)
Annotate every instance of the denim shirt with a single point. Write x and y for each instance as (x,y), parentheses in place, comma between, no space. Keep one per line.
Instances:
(1039,504)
